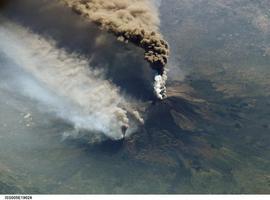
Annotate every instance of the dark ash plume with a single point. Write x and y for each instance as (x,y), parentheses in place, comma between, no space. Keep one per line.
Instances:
(3,3)
(133,21)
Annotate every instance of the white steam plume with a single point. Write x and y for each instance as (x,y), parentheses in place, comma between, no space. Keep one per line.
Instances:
(77,94)
(160,85)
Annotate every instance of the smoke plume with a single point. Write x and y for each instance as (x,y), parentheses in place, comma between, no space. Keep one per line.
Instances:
(3,3)
(133,21)
(73,91)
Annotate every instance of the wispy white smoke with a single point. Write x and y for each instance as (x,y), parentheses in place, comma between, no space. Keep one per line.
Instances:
(73,91)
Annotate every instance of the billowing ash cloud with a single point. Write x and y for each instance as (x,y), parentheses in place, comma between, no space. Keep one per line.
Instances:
(3,3)
(133,21)
(73,91)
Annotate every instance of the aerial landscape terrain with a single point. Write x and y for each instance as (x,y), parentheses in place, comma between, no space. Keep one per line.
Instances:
(135,97)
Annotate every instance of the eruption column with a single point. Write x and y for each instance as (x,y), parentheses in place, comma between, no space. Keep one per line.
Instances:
(133,21)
